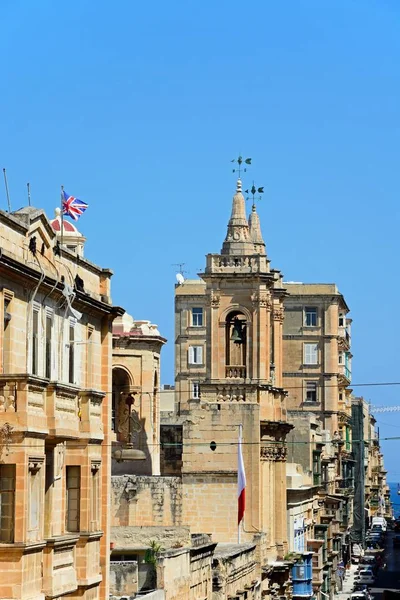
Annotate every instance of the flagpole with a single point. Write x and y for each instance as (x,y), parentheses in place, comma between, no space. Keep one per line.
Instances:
(62,220)
(239,451)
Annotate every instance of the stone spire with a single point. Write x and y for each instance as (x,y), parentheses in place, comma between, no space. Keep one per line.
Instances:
(255,232)
(238,240)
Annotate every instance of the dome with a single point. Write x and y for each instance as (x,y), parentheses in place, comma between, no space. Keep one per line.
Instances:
(71,238)
(69,228)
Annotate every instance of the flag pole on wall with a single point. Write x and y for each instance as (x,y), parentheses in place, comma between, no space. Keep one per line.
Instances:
(241,483)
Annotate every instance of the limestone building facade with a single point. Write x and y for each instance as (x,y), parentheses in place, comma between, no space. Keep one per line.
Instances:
(317,376)
(136,394)
(55,412)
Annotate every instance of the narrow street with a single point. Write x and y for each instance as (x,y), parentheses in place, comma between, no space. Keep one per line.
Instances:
(388,578)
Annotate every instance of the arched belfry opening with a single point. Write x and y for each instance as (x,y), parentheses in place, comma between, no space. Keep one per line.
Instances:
(123,405)
(235,345)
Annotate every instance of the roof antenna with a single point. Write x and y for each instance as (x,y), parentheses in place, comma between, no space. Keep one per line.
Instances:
(8,195)
(28,185)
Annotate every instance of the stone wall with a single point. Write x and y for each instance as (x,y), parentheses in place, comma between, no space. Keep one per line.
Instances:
(173,574)
(123,578)
(140,500)
(235,572)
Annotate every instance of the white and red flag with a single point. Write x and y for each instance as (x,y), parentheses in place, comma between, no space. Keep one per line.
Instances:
(241,480)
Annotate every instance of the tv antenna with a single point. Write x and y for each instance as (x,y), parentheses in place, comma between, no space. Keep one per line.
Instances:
(7,194)
(180,267)
(28,185)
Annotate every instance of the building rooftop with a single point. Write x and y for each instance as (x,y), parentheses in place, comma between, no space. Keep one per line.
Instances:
(225,550)
(190,287)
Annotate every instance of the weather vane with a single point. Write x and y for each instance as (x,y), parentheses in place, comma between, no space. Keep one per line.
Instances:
(253,191)
(240,161)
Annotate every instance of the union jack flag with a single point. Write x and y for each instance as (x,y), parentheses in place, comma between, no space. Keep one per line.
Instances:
(73,207)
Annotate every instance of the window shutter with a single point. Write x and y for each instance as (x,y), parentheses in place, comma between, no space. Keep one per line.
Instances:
(191,355)
(199,355)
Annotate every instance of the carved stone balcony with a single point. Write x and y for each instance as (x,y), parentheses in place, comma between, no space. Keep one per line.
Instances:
(63,410)
(90,409)
(87,558)
(220,263)
(23,402)
(59,573)
(235,372)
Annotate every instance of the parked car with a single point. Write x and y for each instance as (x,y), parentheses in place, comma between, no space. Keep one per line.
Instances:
(360,587)
(360,595)
(365,576)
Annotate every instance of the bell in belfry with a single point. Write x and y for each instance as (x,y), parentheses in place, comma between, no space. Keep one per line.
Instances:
(237,333)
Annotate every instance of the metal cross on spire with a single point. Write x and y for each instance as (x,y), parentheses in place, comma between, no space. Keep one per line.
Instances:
(253,191)
(240,161)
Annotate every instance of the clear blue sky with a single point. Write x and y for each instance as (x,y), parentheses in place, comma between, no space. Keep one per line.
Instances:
(138,107)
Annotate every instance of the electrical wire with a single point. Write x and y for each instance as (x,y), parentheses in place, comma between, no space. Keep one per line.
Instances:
(207,444)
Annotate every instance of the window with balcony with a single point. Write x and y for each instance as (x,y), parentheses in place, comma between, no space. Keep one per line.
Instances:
(310,354)
(7,503)
(195,390)
(73,498)
(310,316)
(311,391)
(195,355)
(197,317)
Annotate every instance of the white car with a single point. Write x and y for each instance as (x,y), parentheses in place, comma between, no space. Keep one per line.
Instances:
(365,576)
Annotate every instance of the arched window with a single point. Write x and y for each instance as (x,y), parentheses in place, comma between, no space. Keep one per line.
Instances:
(121,386)
(235,345)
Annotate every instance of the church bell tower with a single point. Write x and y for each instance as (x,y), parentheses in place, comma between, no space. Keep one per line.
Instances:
(238,381)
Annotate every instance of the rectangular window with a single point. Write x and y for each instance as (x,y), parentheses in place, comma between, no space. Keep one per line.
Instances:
(341,358)
(95,496)
(195,355)
(310,354)
(195,390)
(317,468)
(6,336)
(7,503)
(342,320)
(197,317)
(89,357)
(48,356)
(73,497)
(310,317)
(71,353)
(35,341)
(34,497)
(311,391)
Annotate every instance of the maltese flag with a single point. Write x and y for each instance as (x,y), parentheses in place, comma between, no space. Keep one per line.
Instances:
(241,481)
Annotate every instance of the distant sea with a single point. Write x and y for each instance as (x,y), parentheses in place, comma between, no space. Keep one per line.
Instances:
(395,498)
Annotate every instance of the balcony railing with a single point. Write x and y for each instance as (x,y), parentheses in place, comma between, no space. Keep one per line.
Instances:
(235,372)
(345,483)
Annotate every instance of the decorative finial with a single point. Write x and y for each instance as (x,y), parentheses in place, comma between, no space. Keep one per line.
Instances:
(239,161)
(238,185)
(57,212)
(253,191)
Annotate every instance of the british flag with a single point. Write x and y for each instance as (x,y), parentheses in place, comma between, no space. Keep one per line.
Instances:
(73,207)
